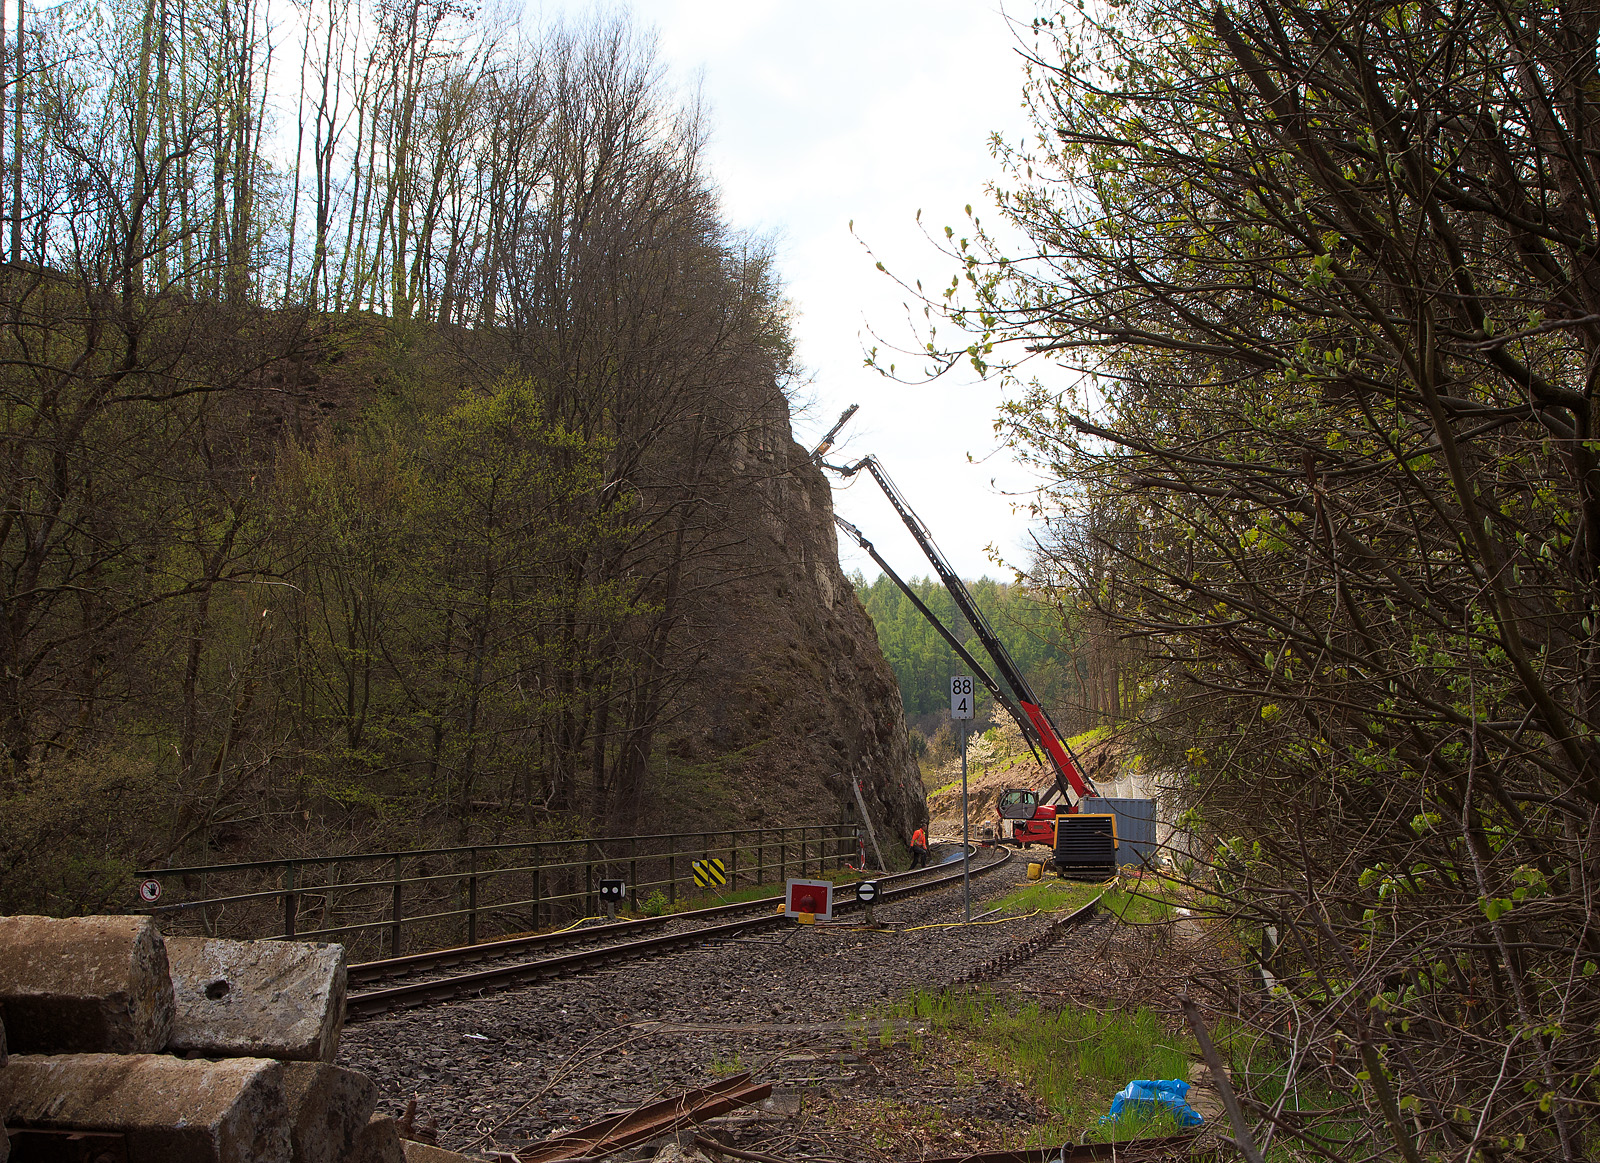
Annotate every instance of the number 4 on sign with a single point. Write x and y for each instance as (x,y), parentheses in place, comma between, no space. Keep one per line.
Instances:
(961,698)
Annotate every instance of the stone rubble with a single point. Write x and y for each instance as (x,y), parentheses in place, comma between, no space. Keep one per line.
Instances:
(378,1142)
(188,1050)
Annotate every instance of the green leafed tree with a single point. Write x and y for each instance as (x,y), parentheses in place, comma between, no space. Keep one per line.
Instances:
(1026,623)
(443,604)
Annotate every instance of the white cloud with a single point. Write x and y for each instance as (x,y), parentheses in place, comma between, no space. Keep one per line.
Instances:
(828,111)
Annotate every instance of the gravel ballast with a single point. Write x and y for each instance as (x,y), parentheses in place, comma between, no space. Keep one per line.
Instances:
(514,1067)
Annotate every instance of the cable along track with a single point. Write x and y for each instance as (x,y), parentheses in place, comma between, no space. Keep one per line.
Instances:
(380,999)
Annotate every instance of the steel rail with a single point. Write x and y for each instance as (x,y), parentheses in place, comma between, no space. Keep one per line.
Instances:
(370,1002)
(369,971)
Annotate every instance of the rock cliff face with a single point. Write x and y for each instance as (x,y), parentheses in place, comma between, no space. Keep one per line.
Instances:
(792,699)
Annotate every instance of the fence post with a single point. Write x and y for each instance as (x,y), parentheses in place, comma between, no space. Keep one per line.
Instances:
(589,909)
(633,867)
(672,871)
(291,906)
(761,853)
(733,861)
(537,864)
(395,914)
(472,898)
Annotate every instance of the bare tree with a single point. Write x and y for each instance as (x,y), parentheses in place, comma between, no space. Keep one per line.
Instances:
(1331,272)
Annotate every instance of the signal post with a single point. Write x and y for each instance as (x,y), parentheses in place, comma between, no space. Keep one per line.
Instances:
(961,700)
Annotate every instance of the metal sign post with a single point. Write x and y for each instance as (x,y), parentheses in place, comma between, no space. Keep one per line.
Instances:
(613,892)
(867,894)
(966,834)
(961,700)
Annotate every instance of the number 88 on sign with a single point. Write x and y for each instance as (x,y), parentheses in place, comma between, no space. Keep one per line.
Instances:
(961,698)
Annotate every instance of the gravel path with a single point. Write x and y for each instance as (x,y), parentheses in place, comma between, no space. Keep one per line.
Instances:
(514,1067)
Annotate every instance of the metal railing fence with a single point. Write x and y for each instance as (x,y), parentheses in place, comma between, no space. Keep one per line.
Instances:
(388,903)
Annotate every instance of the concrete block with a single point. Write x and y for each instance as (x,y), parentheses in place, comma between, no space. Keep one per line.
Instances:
(425,1153)
(379,1142)
(84,984)
(257,999)
(328,1110)
(169,1109)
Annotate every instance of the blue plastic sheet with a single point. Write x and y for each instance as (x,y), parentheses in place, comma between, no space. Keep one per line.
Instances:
(1150,1096)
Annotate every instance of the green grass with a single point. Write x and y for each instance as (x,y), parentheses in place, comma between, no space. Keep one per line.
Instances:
(1145,902)
(1049,896)
(1073,1060)
(1257,1068)
(1089,738)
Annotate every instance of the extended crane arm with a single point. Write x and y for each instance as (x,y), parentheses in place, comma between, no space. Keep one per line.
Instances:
(821,449)
(1070,780)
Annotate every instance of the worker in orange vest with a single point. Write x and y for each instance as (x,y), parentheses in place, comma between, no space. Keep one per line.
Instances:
(919,849)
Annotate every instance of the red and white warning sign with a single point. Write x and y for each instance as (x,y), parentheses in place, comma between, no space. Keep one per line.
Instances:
(809,896)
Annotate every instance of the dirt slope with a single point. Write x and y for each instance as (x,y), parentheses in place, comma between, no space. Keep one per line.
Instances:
(1005,762)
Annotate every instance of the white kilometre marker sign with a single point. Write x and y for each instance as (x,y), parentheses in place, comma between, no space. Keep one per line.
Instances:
(961,697)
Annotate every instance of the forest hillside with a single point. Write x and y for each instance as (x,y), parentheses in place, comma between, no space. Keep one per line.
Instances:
(397,466)
(1076,671)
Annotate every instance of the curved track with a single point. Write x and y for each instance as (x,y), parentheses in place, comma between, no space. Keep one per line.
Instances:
(515,969)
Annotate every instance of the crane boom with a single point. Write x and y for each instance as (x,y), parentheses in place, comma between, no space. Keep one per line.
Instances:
(1070,780)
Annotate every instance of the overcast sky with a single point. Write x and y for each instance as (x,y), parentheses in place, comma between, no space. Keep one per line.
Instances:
(825,112)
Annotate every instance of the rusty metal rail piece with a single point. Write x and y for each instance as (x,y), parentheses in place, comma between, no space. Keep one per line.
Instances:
(649,1122)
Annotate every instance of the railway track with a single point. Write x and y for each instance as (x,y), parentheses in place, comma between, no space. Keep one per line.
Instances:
(512,966)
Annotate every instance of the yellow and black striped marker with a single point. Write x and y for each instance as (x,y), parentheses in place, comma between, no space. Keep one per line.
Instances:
(709,872)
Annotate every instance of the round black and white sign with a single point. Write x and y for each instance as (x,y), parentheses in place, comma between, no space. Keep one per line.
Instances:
(867,891)
(150,891)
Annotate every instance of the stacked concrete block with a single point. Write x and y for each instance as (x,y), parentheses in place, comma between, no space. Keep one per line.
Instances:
(188,1050)
(427,1153)
(330,1109)
(229,1111)
(271,999)
(84,984)
(378,1142)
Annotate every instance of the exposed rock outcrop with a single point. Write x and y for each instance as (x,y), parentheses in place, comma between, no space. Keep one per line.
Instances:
(792,699)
